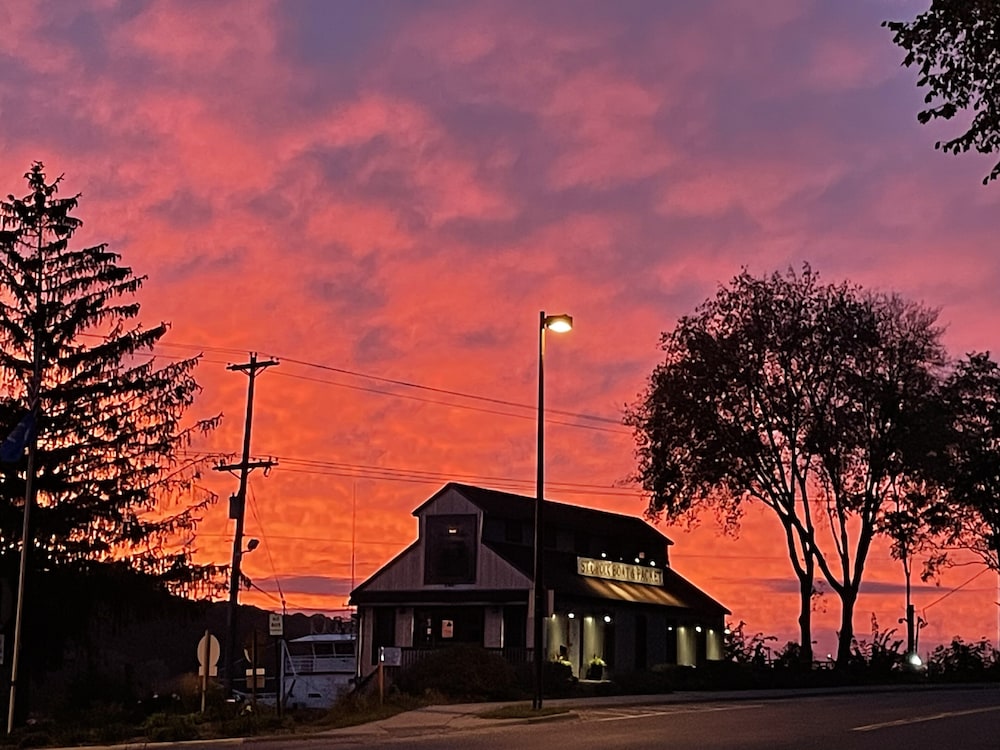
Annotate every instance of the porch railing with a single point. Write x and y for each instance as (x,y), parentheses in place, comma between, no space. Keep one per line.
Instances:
(513,655)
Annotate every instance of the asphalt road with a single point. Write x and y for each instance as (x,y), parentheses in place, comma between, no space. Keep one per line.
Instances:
(939,720)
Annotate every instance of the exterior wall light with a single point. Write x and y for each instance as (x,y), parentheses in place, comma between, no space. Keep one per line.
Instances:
(607,618)
(697,628)
(572,615)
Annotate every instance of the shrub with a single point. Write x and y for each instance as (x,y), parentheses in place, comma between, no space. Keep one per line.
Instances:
(730,675)
(250,723)
(98,698)
(113,733)
(789,657)
(746,649)
(164,727)
(35,739)
(557,679)
(964,662)
(879,658)
(461,672)
(645,682)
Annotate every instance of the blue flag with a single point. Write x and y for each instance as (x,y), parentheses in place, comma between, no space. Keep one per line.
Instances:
(12,448)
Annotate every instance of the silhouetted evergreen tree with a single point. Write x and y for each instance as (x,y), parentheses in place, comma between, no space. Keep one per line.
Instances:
(112,480)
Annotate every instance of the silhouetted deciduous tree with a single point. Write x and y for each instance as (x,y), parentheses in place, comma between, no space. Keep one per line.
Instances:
(112,481)
(956,47)
(971,476)
(799,396)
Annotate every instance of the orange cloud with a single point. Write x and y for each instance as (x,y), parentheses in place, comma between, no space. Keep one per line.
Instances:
(399,194)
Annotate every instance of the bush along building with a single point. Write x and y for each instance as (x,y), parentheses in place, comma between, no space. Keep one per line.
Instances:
(615,604)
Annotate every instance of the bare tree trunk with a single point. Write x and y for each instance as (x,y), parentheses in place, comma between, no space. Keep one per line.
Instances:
(845,637)
(805,621)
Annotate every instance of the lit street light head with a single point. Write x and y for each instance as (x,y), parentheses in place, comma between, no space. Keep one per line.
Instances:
(558,323)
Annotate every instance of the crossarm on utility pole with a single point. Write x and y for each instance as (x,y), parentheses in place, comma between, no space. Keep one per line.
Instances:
(237,512)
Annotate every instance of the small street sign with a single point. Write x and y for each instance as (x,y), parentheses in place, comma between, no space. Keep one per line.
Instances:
(390,656)
(208,655)
(275,624)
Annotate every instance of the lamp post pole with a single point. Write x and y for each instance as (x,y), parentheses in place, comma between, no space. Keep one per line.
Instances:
(539,590)
(559,324)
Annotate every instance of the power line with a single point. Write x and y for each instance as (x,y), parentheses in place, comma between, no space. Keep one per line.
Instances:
(512,485)
(409,384)
(394,381)
(452,404)
(292,605)
(421,476)
(957,588)
(438,402)
(331,540)
(267,546)
(313,463)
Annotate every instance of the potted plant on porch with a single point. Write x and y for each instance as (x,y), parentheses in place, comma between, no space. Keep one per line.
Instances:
(595,668)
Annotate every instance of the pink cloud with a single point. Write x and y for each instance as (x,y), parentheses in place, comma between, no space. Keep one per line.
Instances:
(606,125)
(197,38)
(756,187)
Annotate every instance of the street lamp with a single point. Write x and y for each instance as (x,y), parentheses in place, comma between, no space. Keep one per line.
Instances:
(557,324)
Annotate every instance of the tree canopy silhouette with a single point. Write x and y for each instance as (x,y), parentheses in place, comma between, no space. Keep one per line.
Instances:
(971,473)
(955,45)
(802,397)
(113,483)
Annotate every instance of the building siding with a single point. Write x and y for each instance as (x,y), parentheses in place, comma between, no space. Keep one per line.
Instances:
(624,623)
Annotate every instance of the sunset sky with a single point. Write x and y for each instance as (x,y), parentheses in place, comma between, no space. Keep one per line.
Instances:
(383,195)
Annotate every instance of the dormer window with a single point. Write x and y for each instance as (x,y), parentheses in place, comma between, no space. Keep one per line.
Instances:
(450,549)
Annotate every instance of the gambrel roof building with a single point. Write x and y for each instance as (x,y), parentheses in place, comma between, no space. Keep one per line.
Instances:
(467,578)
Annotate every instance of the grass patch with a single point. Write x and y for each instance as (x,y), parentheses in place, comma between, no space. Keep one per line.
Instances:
(522,711)
(352,710)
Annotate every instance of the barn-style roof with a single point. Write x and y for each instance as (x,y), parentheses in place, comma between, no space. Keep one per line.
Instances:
(507,505)
(628,532)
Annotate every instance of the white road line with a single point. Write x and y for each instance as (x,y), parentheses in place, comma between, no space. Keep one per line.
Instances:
(634,716)
(919,719)
(674,711)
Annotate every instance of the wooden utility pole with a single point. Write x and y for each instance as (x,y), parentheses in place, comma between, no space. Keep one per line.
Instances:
(237,507)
